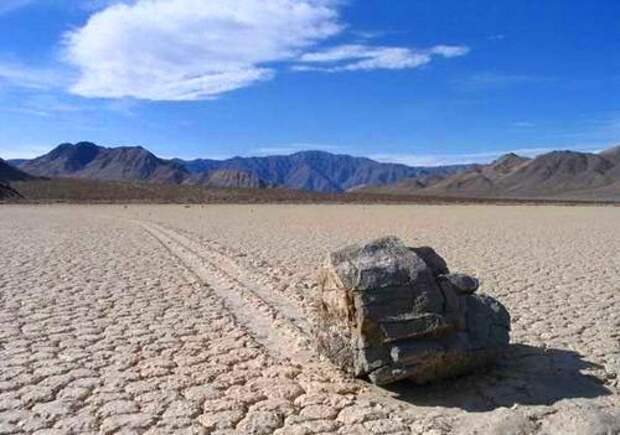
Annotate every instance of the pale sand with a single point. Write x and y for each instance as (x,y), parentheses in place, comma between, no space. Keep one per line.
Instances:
(199,320)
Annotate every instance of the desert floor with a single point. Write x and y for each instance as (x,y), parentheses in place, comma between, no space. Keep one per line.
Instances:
(198,319)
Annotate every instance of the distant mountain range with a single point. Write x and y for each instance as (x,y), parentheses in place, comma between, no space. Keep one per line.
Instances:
(318,171)
(558,174)
(315,171)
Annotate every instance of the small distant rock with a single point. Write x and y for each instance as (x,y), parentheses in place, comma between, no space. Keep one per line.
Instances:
(390,312)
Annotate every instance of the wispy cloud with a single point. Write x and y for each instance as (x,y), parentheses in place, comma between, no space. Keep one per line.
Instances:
(56,105)
(17,74)
(356,57)
(368,34)
(374,34)
(205,49)
(51,104)
(202,49)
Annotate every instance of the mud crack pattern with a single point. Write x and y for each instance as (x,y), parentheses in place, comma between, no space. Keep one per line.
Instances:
(175,320)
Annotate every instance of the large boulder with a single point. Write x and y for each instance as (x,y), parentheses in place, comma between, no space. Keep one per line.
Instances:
(389,312)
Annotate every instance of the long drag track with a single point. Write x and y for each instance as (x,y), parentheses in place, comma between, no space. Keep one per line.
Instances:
(271,319)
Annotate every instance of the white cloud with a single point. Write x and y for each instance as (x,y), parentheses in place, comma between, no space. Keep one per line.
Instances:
(183,50)
(358,57)
(192,49)
(369,34)
(449,50)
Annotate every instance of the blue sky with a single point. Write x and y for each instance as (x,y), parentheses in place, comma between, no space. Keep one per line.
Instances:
(419,82)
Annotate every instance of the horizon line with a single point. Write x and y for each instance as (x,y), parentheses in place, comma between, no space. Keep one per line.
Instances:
(407,159)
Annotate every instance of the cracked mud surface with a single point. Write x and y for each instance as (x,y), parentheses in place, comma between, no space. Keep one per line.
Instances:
(167,319)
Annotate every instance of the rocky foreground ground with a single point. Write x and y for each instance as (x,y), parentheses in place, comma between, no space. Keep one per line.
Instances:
(169,319)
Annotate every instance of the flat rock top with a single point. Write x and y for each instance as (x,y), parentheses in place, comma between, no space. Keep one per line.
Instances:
(113,319)
(384,262)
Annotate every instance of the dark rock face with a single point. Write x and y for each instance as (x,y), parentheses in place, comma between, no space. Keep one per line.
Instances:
(437,264)
(459,283)
(391,312)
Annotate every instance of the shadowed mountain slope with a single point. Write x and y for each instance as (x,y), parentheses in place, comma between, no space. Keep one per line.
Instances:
(87,160)
(228,178)
(612,154)
(315,171)
(558,174)
(319,171)
(9,173)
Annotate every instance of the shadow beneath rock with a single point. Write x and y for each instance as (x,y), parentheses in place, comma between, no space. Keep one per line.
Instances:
(523,375)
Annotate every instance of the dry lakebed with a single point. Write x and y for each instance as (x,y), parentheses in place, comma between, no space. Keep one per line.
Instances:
(199,319)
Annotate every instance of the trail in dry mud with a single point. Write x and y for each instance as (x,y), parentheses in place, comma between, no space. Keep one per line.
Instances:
(271,319)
